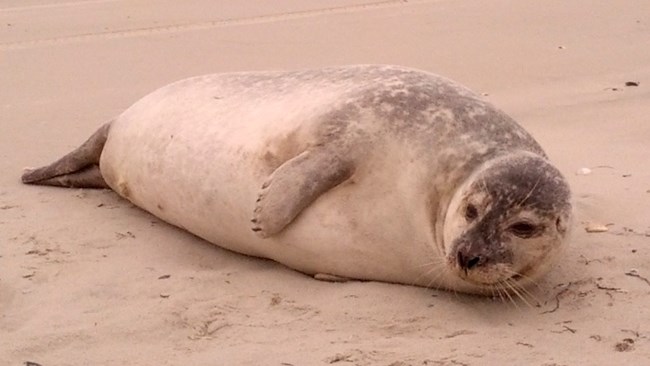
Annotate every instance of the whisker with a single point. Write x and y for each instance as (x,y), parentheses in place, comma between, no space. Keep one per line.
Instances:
(434,279)
(485,187)
(525,291)
(508,294)
(531,281)
(520,203)
(517,292)
(434,265)
(435,261)
(496,287)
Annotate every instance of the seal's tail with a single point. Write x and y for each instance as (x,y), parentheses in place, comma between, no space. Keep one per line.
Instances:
(78,169)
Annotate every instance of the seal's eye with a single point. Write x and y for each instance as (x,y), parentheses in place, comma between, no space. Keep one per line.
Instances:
(523,229)
(471,212)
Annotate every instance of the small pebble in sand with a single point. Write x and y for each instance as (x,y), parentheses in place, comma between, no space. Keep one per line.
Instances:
(593,227)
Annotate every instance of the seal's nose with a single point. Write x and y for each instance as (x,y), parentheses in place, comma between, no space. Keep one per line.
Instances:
(467,262)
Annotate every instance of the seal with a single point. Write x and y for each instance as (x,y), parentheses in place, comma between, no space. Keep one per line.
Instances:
(368,172)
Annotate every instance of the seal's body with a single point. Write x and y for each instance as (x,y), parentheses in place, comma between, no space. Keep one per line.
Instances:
(367,172)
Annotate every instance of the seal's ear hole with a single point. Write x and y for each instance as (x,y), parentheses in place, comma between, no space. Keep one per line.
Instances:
(523,229)
(471,213)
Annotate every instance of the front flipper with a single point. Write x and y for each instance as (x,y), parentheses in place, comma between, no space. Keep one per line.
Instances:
(294,186)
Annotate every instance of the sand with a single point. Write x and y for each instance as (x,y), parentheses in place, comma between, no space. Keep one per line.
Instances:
(88,279)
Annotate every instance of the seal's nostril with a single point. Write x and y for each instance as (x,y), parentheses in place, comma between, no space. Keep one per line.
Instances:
(473,262)
(461,260)
(467,263)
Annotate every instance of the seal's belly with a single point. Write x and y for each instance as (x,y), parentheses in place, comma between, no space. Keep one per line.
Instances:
(197,159)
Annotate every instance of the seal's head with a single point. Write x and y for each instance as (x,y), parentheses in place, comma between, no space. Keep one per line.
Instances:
(506,223)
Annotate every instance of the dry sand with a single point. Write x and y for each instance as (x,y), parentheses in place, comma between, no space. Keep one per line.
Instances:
(88,279)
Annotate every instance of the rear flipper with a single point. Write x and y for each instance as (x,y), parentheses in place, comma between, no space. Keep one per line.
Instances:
(78,169)
(88,177)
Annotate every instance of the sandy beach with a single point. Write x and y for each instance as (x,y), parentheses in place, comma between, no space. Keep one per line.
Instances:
(86,278)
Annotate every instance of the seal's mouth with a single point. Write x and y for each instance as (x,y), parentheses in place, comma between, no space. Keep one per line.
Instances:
(475,280)
(478,271)
(488,278)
